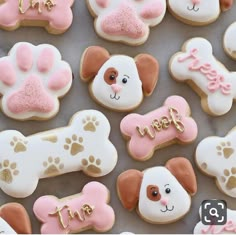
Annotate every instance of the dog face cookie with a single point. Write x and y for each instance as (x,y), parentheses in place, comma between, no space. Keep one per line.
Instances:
(166,125)
(161,194)
(87,210)
(208,77)
(229,41)
(31,81)
(220,161)
(198,12)
(119,82)
(14,219)
(55,15)
(83,145)
(126,21)
(228,228)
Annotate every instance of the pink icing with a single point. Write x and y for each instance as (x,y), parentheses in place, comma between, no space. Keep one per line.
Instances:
(32,96)
(153,9)
(7,73)
(230,226)
(59,80)
(124,21)
(45,60)
(142,147)
(102,3)
(59,18)
(24,57)
(216,81)
(94,194)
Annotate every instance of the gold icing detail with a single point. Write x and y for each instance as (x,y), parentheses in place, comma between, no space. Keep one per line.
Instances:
(7,171)
(18,144)
(53,166)
(50,138)
(85,211)
(74,145)
(90,124)
(162,124)
(204,166)
(229,178)
(92,165)
(225,149)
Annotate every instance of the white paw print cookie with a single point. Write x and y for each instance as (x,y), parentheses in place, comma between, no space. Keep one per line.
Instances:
(229,41)
(126,21)
(32,80)
(198,12)
(197,66)
(220,161)
(84,145)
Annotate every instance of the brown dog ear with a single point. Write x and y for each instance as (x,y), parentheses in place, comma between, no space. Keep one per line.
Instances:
(17,217)
(183,171)
(226,4)
(148,69)
(128,187)
(92,60)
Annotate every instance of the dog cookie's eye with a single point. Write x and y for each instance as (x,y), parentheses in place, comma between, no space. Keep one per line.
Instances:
(168,190)
(124,80)
(153,193)
(112,77)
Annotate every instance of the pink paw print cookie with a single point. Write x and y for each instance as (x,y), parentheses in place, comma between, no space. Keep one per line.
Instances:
(86,210)
(32,79)
(166,125)
(126,21)
(55,15)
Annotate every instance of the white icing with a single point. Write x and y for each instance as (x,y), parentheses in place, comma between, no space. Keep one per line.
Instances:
(217,102)
(221,156)
(131,94)
(203,12)
(58,65)
(5,228)
(230,39)
(113,5)
(178,198)
(32,163)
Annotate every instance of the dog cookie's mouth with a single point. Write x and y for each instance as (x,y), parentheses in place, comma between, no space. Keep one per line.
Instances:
(168,209)
(114,97)
(193,8)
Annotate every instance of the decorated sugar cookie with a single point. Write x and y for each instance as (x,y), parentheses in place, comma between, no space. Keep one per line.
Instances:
(14,219)
(118,82)
(198,12)
(220,161)
(55,15)
(77,213)
(126,21)
(161,194)
(82,145)
(197,66)
(229,41)
(32,80)
(166,125)
(228,228)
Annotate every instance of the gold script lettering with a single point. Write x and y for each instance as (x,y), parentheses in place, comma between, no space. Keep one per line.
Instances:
(162,124)
(85,211)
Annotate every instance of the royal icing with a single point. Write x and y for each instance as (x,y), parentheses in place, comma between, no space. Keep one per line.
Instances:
(197,65)
(119,82)
(32,79)
(87,210)
(5,228)
(161,194)
(220,161)
(83,145)
(126,21)
(229,40)
(198,12)
(158,128)
(55,15)
(228,228)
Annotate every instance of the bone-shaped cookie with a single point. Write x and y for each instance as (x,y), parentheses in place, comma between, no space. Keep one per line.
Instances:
(169,124)
(220,161)
(55,15)
(87,210)
(83,145)
(206,75)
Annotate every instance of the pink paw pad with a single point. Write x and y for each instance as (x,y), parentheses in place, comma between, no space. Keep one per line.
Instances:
(24,57)
(159,127)
(103,3)
(152,10)
(77,213)
(7,73)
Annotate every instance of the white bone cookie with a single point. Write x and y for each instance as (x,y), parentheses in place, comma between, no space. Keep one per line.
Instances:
(83,145)
(220,161)
(230,41)
(197,66)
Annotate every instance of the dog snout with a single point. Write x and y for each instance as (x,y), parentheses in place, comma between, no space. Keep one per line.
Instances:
(164,201)
(195,2)
(116,88)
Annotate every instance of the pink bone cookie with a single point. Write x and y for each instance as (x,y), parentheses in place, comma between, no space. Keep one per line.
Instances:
(87,210)
(159,128)
(55,15)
